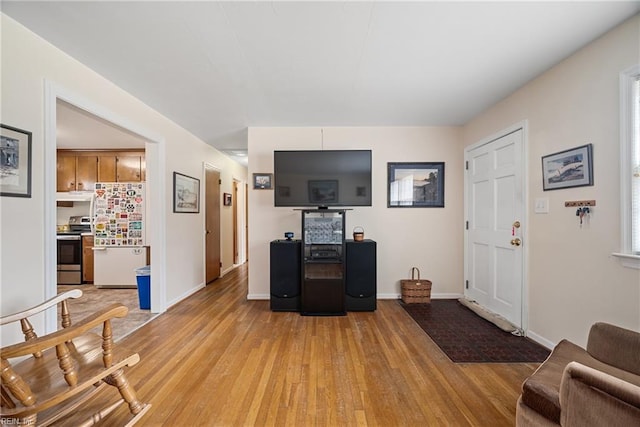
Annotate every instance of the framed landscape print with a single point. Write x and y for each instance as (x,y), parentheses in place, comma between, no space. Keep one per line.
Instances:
(415,185)
(186,194)
(15,162)
(262,181)
(569,168)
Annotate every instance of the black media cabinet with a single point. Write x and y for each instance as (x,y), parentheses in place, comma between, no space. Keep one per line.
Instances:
(323,274)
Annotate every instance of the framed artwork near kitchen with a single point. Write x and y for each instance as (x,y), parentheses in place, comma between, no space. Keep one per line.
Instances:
(227,199)
(15,162)
(569,168)
(186,194)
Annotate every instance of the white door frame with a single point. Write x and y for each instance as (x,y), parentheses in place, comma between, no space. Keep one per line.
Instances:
(525,186)
(155,164)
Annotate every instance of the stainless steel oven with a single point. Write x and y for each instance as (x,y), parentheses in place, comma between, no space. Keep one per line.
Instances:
(70,251)
(69,259)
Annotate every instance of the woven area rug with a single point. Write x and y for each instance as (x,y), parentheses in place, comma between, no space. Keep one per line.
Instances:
(467,338)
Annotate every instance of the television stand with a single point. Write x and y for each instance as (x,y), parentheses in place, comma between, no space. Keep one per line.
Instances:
(322,287)
(360,290)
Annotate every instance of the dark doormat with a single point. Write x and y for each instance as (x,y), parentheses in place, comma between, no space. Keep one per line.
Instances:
(466,337)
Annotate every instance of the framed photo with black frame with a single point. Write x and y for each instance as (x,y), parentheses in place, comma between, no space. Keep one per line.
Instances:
(262,181)
(568,168)
(186,194)
(15,162)
(415,185)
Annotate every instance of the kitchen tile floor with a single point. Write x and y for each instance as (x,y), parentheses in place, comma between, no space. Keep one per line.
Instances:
(94,299)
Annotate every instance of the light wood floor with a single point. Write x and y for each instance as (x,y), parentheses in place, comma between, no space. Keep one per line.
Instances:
(216,359)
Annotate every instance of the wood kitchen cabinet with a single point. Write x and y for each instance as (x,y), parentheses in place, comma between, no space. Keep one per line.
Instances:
(79,170)
(76,173)
(87,259)
(122,167)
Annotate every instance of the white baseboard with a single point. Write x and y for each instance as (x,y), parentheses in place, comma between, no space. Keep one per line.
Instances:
(228,270)
(540,340)
(185,295)
(446,296)
(379,296)
(433,296)
(388,296)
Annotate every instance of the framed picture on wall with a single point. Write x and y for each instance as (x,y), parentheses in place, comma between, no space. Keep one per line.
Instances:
(415,185)
(15,162)
(186,194)
(569,168)
(262,181)
(226,199)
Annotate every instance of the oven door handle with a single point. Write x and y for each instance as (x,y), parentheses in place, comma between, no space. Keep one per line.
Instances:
(72,237)
(99,248)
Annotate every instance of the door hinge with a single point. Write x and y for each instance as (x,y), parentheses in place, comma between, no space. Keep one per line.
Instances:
(466,225)
(219,181)
(220,264)
(466,284)
(466,165)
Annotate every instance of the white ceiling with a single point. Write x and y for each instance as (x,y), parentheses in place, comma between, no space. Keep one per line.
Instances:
(216,68)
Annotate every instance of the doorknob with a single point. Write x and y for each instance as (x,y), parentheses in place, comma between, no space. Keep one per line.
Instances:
(208,232)
(516,242)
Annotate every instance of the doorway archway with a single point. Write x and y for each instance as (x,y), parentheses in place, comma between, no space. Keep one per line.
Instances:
(155,166)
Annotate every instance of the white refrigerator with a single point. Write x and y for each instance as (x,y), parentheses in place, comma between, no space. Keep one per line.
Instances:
(118,224)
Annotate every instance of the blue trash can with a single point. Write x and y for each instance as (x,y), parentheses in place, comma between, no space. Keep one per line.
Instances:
(143,277)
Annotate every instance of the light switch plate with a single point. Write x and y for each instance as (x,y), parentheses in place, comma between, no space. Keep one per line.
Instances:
(542,205)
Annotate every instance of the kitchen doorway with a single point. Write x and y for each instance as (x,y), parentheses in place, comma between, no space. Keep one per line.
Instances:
(59,102)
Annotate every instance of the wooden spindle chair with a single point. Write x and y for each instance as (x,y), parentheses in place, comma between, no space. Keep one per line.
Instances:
(46,378)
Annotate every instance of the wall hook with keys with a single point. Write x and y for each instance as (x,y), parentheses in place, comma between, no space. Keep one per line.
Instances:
(581,212)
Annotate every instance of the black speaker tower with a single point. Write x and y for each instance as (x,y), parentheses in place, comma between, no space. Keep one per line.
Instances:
(285,275)
(361,289)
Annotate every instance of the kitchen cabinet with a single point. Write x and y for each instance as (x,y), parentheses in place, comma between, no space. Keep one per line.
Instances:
(76,173)
(107,168)
(122,167)
(87,259)
(79,170)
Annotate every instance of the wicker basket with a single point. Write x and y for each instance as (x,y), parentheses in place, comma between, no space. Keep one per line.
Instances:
(358,234)
(415,290)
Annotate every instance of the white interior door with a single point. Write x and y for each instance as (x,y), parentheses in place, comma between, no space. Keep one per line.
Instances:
(495,214)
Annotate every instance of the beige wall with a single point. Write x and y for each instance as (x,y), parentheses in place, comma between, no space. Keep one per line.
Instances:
(27,62)
(429,238)
(573,280)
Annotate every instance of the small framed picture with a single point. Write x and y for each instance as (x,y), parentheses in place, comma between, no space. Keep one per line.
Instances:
(415,185)
(15,162)
(186,194)
(569,168)
(262,181)
(226,199)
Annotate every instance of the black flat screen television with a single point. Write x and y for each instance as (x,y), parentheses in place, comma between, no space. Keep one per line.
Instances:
(326,178)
